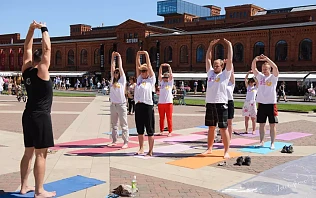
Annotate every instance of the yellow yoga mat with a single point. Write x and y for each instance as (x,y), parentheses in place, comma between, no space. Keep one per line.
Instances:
(200,161)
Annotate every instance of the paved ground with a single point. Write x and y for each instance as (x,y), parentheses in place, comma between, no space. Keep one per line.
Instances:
(88,118)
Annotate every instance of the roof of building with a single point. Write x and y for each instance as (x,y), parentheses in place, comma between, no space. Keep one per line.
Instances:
(266,27)
(286,10)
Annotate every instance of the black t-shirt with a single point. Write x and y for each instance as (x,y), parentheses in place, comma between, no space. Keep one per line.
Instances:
(39,92)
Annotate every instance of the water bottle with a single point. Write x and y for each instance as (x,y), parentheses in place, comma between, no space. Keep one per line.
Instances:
(134,186)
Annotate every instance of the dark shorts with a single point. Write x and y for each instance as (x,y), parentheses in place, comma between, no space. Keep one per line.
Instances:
(37,130)
(231,109)
(269,111)
(216,114)
(144,118)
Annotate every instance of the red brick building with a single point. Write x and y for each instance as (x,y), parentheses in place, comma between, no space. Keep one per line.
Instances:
(286,35)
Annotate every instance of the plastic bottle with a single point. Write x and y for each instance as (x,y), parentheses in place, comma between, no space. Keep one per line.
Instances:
(134,186)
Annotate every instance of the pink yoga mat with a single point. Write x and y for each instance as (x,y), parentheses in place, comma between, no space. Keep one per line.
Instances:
(237,142)
(251,135)
(88,142)
(105,149)
(201,133)
(156,137)
(292,136)
(183,138)
(163,150)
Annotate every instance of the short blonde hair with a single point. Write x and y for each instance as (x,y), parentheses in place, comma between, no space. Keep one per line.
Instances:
(221,62)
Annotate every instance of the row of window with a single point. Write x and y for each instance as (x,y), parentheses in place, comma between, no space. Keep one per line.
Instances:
(281,54)
(130,35)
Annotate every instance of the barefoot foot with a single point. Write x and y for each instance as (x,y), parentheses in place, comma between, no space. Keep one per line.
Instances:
(140,152)
(112,144)
(125,146)
(169,135)
(149,154)
(253,132)
(27,189)
(272,146)
(207,152)
(226,156)
(45,194)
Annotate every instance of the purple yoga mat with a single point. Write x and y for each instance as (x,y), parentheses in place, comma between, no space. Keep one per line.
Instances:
(183,138)
(292,136)
(251,135)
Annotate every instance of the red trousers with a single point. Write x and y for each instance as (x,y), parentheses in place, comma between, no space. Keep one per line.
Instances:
(165,109)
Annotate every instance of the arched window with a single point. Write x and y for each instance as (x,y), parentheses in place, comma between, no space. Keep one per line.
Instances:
(97,56)
(168,55)
(58,58)
(258,49)
(71,57)
(184,55)
(305,52)
(281,51)
(130,56)
(238,52)
(20,58)
(153,54)
(219,51)
(110,55)
(200,54)
(84,57)
(2,60)
(11,60)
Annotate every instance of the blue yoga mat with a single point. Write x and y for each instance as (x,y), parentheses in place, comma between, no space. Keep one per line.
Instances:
(62,187)
(266,148)
(132,131)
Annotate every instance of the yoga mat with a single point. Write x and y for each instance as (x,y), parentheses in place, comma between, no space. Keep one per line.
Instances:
(237,142)
(292,136)
(256,135)
(183,138)
(62,187)
(201,133)
(156,137)
(205,127)
(164,150)
(131,131)
(201,161)
(80,143)
(105,149)
(266,148)
(292,179)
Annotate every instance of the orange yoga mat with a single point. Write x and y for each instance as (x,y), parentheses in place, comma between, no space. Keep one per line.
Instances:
(200,161)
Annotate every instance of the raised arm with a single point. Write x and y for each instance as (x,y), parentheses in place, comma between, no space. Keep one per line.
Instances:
(275,70)
(254,65)
(170,72)
(138,64)
(208,60)
(160,72)
(27,54)
(232,77)
(46,48)
(120,66)
(150,68)
(246,78)
(112,65)
(229,63)
(256,81)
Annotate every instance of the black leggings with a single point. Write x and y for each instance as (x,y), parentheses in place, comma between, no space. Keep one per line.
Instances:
(131,105)
(144,115)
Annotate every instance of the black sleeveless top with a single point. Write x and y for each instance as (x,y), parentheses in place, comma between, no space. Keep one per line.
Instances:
(39,92)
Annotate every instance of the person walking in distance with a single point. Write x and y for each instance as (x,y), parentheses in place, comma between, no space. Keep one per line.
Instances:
(195,86)
(165,103)
(266,96)
(130,95)
(249,109)
(144,102)
(36,119)
(118,101)
(216,96)
(281,92)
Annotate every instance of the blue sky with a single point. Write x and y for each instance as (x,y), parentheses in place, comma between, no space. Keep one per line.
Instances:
(59,14)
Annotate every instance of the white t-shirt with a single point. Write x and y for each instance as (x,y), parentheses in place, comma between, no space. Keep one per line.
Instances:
(251,93)
(267,89)
(165,95)
(117,90)
(216,91)
(144,89)
(230,90)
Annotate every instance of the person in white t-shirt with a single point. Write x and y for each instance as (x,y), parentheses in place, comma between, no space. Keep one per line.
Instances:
(165,103)
(230,104)
(118,101)
(144,112)
(216,96)
(266,96)
(249,109)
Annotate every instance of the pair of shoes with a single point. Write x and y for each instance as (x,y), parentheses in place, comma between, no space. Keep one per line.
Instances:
(240,161)
(222,164)
(287,149)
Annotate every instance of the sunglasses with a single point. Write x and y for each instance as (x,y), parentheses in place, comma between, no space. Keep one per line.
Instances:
(143,71)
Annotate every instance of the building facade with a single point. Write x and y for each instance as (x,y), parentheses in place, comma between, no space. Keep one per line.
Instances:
(286,35)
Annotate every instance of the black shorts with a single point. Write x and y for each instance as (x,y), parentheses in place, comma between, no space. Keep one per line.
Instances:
(231,109)
(269,111)
(144,118)
(216,114)
(37,130)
